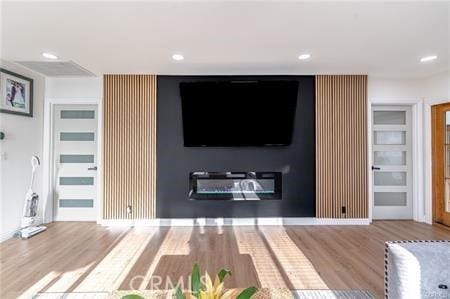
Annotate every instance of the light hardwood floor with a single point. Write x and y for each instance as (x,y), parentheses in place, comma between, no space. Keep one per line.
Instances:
(87,257)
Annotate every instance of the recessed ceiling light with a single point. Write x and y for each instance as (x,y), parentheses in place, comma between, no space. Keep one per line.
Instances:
(177,57)
(428,58)
(304,56)
(49,55)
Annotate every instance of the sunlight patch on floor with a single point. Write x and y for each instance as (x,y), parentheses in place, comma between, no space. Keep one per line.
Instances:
(67,279)
(176,242)
(113,269)
(41,284)
(298,268)
(250,242)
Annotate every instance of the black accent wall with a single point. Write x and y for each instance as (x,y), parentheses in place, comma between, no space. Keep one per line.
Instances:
(175,162)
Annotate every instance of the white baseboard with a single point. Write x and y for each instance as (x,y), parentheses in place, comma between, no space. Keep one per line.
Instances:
(7,235)
(235,221)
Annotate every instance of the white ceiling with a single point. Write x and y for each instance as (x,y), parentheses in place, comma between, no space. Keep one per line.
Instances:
(232,37)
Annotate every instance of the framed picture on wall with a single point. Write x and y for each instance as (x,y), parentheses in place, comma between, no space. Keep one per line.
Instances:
(16,94)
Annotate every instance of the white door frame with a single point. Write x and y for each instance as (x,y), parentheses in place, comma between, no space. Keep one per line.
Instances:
(416,104)
(48,157)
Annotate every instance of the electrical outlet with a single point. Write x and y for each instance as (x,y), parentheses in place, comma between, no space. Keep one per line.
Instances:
(129,210)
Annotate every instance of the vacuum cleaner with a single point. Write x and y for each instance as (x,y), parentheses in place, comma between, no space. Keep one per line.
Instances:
(30,207)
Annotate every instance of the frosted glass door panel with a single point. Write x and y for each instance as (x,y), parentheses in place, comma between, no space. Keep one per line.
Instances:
(389,117)
(390,138)
(390,198)
(390,178)
(390,157)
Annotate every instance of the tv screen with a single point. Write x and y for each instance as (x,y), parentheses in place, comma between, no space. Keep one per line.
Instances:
(238,113)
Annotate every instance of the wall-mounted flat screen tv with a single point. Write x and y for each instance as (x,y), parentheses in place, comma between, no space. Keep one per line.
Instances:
(238,113)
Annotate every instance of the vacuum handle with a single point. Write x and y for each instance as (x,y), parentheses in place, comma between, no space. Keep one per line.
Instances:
(35,162)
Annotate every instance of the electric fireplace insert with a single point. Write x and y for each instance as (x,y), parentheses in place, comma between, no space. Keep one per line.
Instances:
(234,185)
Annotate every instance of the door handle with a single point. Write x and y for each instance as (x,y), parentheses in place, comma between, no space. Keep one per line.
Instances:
(92,168)
(375,168)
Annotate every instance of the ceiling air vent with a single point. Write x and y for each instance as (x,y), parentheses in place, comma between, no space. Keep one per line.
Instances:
(57,68)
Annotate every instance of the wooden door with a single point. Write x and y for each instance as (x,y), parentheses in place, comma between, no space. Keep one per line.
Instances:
(441,163)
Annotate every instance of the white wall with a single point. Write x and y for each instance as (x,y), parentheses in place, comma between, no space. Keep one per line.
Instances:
(380,88)
(437,87)
(24,138)
(74,88)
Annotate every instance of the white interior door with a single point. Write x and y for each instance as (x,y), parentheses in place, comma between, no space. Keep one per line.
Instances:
(392,164)
(75,168)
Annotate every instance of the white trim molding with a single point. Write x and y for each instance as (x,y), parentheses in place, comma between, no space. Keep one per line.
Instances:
(269,221)
(10,234)
(369,162)
(417,165)
(7,235)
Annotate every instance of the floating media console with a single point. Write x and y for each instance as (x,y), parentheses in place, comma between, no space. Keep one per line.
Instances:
(235,185)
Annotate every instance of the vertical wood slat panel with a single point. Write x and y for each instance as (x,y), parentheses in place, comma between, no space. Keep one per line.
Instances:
(341,146)
(129,146)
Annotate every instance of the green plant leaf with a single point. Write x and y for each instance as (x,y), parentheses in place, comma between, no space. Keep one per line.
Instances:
(195,280)
(132,296)
(223,273)
(247,293)
(179,293)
